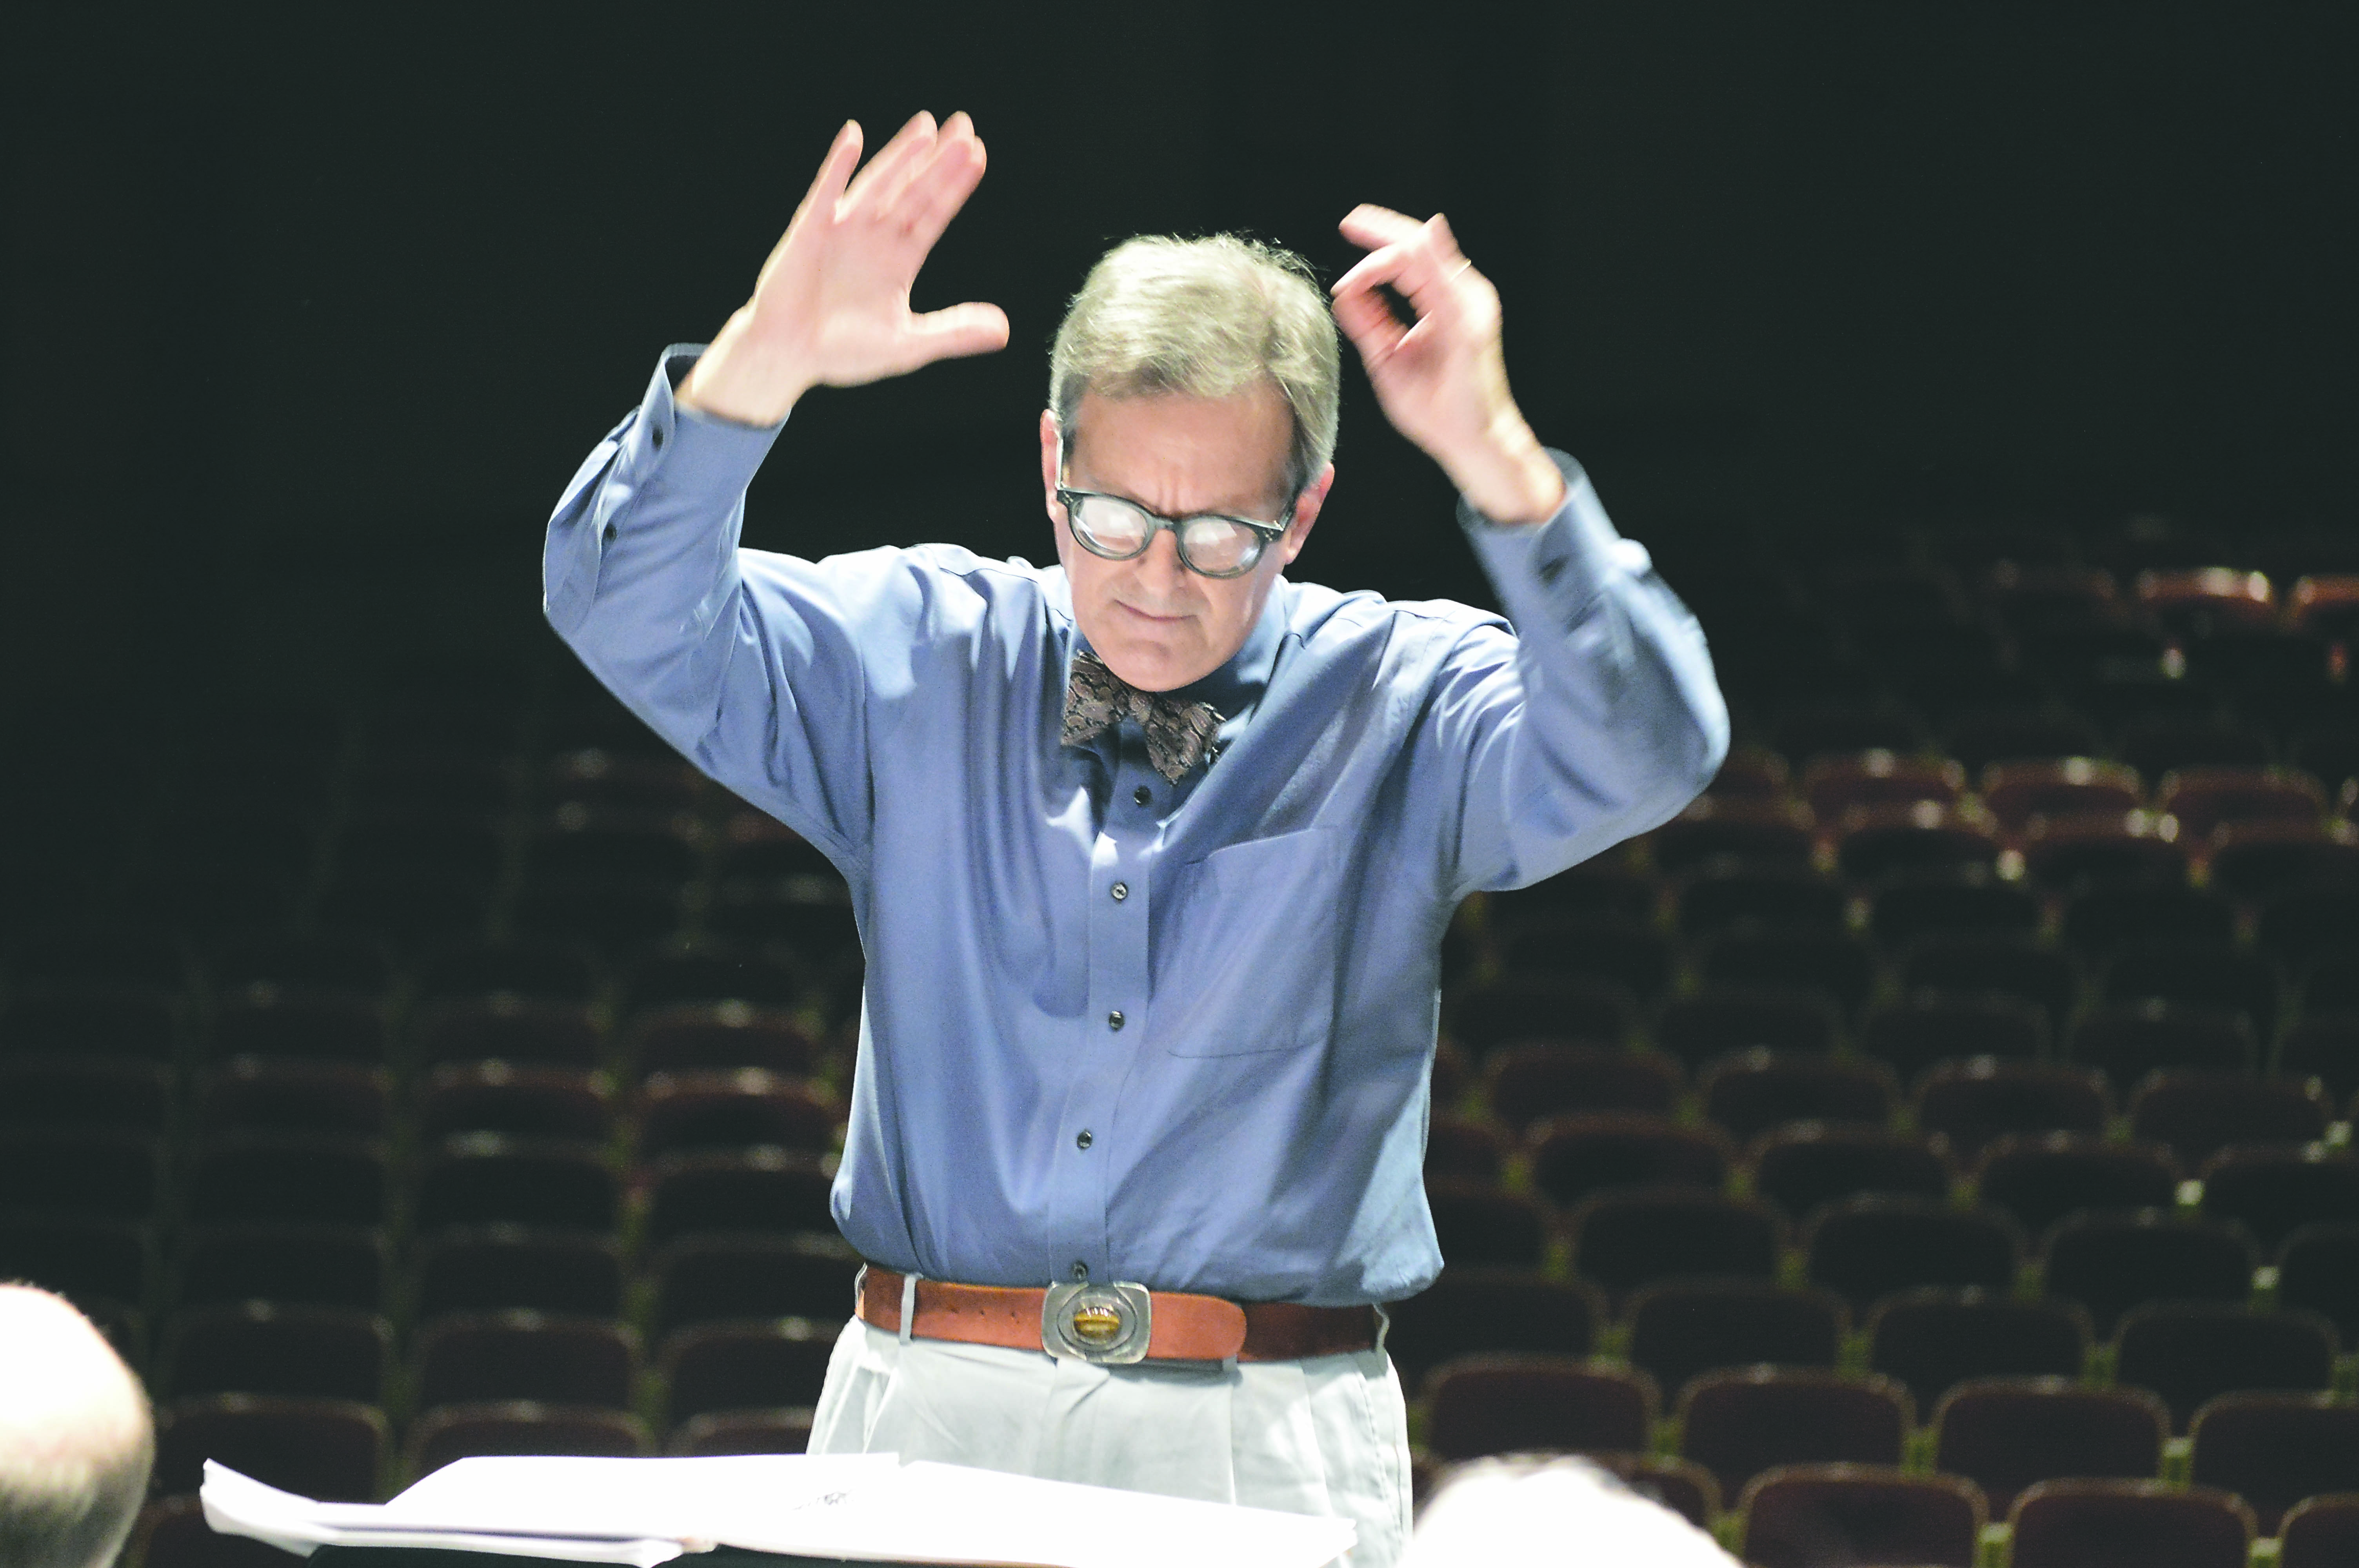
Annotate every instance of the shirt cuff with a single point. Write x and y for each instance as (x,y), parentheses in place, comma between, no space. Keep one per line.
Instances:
(1557,569)
(701,451)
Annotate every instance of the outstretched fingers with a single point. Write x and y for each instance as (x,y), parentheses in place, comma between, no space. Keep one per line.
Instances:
(936,191)
(889,171)
(834,170)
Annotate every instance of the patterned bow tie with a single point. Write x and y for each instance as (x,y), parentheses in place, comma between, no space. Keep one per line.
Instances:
(1177,733)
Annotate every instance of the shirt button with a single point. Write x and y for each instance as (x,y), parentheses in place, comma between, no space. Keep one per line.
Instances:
(1081,1271)
(1084,1139)
(656,437)
(1121,891)
(1142,794)
(609,536)
(1113,1019)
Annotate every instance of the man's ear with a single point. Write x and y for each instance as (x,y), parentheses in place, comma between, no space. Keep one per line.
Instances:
(1049,438)
(1306,513)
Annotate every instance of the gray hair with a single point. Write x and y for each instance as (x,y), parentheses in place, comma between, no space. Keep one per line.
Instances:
(1205,318)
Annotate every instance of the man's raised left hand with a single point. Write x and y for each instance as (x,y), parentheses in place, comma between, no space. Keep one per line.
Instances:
(1443,382)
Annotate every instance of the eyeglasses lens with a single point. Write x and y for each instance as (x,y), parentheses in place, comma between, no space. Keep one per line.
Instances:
(1212,546)
(1218,547)
(1110,527)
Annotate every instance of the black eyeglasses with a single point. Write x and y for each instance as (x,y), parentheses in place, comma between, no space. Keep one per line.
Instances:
(1210,544)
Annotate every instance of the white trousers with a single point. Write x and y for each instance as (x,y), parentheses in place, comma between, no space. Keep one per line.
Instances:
(1327,1434)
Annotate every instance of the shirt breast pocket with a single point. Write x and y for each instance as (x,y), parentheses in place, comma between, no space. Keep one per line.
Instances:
(1252,950)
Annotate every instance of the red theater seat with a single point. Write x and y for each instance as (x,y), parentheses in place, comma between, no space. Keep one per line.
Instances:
(459,1432)
(1867,1248)
(1507,1404)
(2273,1450)
(2129,1524)
(1794,1513)
(2112,1262)
(2006,1434)
(1737,1425)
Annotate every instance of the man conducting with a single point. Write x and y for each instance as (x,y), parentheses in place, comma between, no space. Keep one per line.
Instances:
(1151,851)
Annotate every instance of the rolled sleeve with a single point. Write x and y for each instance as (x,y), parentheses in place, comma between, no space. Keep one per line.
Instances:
(658,461)
(1608,719)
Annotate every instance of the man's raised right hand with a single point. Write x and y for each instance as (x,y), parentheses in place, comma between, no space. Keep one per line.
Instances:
(832,305)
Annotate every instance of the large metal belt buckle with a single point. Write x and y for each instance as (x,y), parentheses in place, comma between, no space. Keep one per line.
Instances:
(1105,1324)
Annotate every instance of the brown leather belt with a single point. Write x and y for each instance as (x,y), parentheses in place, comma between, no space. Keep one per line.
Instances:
(1103,1322)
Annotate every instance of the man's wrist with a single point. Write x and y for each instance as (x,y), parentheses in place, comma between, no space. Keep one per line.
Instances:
(1510,480)
(735,379)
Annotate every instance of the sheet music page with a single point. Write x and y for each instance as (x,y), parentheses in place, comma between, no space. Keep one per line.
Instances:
(646,1511)
(239,1505)
(682,1498)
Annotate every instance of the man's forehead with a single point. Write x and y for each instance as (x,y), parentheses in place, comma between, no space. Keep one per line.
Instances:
(1207,443)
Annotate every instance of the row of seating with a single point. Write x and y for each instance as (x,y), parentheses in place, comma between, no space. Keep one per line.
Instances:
(2192,1111)
(2005,1434)
(1804,1516)
(1927,1341)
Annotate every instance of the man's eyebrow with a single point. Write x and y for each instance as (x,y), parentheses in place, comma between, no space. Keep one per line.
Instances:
(1251,510)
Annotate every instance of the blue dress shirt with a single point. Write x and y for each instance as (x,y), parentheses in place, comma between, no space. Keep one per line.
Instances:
(1116,1028)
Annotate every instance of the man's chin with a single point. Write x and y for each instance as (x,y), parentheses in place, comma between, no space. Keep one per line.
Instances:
(1151,669)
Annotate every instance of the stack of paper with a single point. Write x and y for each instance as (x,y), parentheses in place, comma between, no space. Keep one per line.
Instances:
(869,1506)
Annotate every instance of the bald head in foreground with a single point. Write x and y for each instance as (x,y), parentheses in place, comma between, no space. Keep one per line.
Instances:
(77,1440)
(1552,1513)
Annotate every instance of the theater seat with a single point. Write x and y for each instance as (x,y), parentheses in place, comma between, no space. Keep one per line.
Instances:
(498,1267)
(1677,1331)
(1482,1224)
(480,1358)
(2196,1114)
(172,1533)
(2272,1189)
(2318,1268)
(1750,1093)
(1531,1080)
(1974,1102)
(2189,1352)
(1806,1516)
(2041,1178)
(785,1431)
(1721,1019)
(711,1279)
(459,1431)
(2129,1524)
(1931,1341)
(332,1450)
(745,1365)
(1504,1404)
(1474,1309)
(2322,1532)
(1624,1240)
(1737,1425)
(1576,1157)
(2112,1262)
(255,1347)
(2005,1434)
(1921,1030)
(2273,1450)
(1805,1165)
(1869,1248)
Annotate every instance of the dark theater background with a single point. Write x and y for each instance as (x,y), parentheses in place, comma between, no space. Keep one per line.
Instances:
(360,957)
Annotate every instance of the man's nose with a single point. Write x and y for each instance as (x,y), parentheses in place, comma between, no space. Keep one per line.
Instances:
(1160,567)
